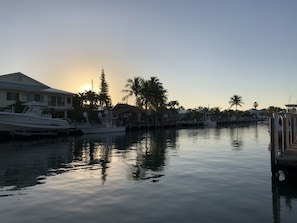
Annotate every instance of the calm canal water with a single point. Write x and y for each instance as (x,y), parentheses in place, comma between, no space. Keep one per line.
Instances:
(187,175)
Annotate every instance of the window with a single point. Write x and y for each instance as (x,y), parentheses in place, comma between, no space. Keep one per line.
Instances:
(68,100)
(60,101)
(56,101)
(12,96)
(37,97)
(52,101)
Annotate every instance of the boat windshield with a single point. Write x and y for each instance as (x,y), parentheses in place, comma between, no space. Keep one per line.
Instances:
(33,110)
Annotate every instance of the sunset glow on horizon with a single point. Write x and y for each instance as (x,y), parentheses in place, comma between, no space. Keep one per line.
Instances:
(203,52)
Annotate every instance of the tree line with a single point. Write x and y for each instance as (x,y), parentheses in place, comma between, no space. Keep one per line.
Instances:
(149,95)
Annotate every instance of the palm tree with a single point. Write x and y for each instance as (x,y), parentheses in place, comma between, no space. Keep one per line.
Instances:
(134,87)
(173,105)
(152,94)
(92,98)
(79,99)
(236,100)
(273,109)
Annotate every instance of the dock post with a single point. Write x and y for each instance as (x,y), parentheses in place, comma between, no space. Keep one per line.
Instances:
(290,128)
(293,121)
(286,133)
(282,133)
(274,144)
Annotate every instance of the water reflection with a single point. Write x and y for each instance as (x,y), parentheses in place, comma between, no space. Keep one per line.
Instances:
(151,155)
(201,166)
(237,141)
(143,152)
(96,150)
(236,137)
(283,190)
(25,163)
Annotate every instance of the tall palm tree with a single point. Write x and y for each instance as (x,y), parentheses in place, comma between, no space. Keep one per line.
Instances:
(92,98)
(134,87)
(81,99)
(236,100)
(152,94)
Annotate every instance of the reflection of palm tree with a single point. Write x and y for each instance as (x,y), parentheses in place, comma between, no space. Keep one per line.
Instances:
(237,142)
(92,153)
(150,160)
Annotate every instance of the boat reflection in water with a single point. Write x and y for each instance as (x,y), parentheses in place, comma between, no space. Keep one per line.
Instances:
(111,177)
(27,163)
(95,151)
(143,153)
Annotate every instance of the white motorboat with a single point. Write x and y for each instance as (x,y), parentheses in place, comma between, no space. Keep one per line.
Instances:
(31,121)
(107,125)
(209,123)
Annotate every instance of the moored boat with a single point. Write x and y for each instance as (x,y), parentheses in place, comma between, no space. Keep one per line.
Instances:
(31,121)
(209,123)
(107,125)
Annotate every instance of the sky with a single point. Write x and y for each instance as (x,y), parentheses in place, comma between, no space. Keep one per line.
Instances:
(202,51)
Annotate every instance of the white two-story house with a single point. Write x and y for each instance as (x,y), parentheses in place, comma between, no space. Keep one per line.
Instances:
(19,87)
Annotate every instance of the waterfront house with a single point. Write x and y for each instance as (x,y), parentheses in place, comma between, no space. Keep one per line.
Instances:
(20,87)
(128,114)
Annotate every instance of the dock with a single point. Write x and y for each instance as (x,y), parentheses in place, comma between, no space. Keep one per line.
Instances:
(283,145)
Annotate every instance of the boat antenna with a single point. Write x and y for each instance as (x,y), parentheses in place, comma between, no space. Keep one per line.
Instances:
(92,85)
(290,96)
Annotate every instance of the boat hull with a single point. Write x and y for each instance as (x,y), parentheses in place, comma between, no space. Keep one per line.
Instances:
(101,129)
(209,123)
(15,122)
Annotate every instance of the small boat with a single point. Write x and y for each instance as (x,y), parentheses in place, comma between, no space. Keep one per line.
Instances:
(209,123)
(107,125)
(31,122)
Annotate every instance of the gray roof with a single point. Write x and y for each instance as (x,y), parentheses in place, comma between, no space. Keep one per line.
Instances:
(23,87)
(38,87)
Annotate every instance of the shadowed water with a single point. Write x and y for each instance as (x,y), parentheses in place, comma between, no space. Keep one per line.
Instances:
(187,175)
